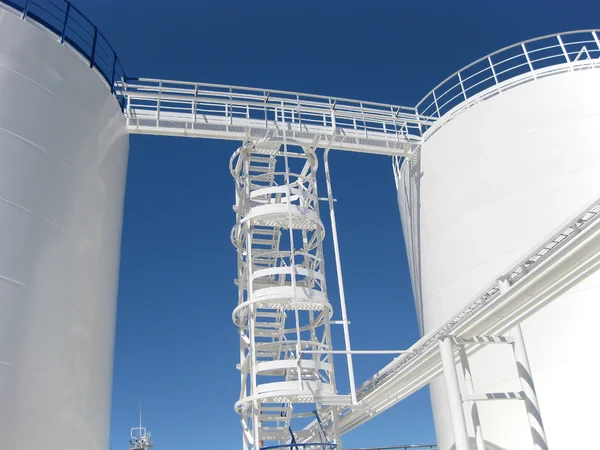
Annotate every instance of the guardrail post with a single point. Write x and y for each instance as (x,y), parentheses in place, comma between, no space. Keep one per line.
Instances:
(26,9)
(462,86)
(494,73)
(595,36)
(457,414)
(114,69)
(230,106)
(64,30)
(94,47)
(562,46)
(528,60)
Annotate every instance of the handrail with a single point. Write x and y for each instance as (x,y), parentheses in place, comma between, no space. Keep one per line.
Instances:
(519,63)
(541,254)
(518,278)
(484,78)
(70,26)
(400,447)
(295,445)
(156,98)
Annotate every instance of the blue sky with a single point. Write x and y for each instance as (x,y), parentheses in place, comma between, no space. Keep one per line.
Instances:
(176,346)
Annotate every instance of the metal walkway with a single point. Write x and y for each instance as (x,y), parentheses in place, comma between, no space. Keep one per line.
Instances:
(177,108)
(557,265)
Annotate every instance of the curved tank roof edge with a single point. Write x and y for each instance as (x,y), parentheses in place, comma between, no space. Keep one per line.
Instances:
(471,81)
(86,39)
(509,67)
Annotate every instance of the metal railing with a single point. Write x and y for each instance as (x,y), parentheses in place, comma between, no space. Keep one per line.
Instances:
(591,215)
(400,447)
(167,103)
(68,24)
(508,68)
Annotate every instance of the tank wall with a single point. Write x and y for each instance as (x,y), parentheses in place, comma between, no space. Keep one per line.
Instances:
(496,182)
(63,161)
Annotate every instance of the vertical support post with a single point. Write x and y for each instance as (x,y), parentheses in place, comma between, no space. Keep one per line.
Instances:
(534,416)
(266,100)
(462,86)
(293,272)
(25,10)
(418,121)
(195,107)
(128,106)
(528,60)
(336,426)
(94,42)
(530,397)
(562,46)
(494,73)
(230,106)
(114,70)
(338,267)
(253,385)
(252,318)
(457,415)
(64,30)
(362,113)
(464,362)
(158,103)
(596,40)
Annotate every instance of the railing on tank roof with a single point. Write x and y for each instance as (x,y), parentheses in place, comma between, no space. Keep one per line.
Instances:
(68,24)
(508,68)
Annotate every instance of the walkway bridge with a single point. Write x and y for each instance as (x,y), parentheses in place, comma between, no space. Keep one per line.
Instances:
(176,108)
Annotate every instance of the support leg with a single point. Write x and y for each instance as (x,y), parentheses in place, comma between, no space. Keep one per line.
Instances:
(530,397)
(474,411)
(454,398)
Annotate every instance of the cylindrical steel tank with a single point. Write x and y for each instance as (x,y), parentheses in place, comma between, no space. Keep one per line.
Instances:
(63,160)
(492,184)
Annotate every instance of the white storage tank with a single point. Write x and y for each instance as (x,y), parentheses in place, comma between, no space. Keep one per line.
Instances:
(510,162)
(63,160)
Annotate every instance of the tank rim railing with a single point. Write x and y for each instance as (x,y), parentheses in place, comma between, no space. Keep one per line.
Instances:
(518,63)
(64,21)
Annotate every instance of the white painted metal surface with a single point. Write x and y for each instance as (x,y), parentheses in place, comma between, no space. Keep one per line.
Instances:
(63,157)
(506,69)
(283,313)
(480,176)
(560,263)
(499,172)
(177,108)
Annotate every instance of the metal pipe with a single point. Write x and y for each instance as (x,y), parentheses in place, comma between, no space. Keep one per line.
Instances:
(358,352)
(457,414)
(338,267)
(464,362)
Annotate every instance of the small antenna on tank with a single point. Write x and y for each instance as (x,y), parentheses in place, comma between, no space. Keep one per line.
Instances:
(140,439)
